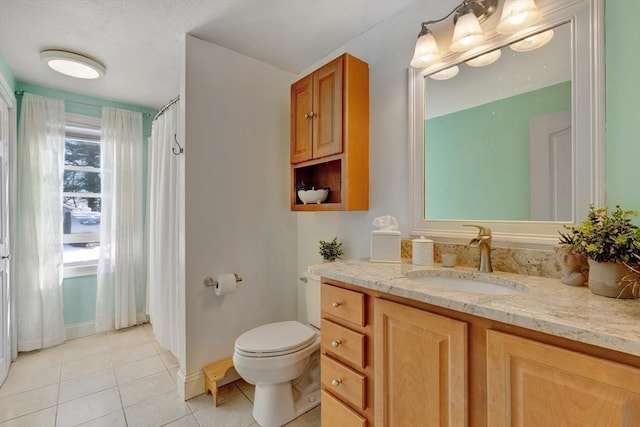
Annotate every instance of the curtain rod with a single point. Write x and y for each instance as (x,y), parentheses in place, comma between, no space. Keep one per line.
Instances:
(21,92)
(166,107)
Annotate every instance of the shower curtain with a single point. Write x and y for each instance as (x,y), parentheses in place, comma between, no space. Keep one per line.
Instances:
(165,232)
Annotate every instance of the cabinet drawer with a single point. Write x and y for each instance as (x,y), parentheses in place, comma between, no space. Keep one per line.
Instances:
(334,413)
(342,303)
(343,343)
(344,382)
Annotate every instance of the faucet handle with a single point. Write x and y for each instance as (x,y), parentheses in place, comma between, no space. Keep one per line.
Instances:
(482,230)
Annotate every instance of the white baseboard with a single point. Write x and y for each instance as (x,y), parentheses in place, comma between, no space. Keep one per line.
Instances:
(79,330)
(191,385)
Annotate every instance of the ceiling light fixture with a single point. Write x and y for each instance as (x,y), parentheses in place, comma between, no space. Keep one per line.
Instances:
(516,15)
(73,64)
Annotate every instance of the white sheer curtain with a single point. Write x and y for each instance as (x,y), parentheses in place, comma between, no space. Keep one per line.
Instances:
(38,258)
(165,235)
(121,271)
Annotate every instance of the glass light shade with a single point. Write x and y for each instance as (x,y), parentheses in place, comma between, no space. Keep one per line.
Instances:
(425,52)
(466,33)
(517,15)
(533,42)
(445,74)
(486,59)
(72,64)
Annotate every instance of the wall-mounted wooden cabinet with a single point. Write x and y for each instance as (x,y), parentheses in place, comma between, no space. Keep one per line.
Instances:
(330,134)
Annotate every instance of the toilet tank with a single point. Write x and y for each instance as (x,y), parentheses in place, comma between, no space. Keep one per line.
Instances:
(311,290)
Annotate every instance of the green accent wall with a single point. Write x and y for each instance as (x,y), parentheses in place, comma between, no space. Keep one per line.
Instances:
(455,156)
(80,292)
(622,59)
(79,298)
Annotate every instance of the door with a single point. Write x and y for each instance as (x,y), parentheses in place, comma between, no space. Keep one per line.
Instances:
(551,167)
(5,343)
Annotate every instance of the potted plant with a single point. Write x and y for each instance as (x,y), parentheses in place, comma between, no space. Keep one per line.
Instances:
(611,243)
(330,251)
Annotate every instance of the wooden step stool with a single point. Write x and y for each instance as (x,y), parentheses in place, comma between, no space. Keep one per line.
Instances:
(214,372)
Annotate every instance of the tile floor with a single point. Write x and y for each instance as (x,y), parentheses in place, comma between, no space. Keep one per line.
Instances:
(119,378)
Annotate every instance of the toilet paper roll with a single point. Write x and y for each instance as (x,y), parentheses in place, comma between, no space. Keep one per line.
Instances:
(422,251)
(226,284)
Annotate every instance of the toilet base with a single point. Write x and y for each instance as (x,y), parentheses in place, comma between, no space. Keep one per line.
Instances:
(274,404)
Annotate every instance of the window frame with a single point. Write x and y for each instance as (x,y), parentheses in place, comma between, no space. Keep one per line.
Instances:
(76,126)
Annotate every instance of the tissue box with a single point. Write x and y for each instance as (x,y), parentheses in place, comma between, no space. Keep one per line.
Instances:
(385,246)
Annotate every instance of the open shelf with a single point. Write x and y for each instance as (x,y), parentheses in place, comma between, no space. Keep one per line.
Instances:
(318,175)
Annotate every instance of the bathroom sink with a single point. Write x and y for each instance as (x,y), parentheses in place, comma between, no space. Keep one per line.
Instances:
(475,285)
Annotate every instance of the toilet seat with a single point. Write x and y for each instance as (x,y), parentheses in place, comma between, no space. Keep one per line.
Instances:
(275,339)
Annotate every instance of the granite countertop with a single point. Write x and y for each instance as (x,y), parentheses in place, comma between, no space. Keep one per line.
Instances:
(547,305)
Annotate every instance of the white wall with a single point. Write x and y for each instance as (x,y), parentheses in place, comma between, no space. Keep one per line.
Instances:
(237,200)
(387,49)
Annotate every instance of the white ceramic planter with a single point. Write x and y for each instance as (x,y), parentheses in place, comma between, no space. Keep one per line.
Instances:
(605,277)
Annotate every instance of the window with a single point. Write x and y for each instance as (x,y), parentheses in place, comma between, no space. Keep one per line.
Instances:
(81,201)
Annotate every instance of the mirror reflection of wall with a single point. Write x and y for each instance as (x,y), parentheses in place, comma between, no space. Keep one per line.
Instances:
(498,140)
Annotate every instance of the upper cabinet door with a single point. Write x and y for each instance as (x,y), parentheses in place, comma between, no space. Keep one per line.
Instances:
(327,109)
(302,120)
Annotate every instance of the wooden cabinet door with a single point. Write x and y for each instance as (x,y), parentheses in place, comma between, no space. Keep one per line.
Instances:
(533,384)
(302,120)
(420,367)
(327,109)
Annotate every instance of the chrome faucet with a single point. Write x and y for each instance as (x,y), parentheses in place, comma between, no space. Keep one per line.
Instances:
(482,241)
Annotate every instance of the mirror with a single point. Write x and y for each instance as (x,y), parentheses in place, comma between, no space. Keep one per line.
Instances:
(506,129)
(472,156)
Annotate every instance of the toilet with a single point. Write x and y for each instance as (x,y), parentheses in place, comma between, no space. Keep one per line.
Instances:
(282,359)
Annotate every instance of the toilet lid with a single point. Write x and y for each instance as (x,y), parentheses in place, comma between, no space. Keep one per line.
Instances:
(276,339)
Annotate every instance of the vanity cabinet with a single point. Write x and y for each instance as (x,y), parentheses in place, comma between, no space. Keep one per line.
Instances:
(330,134)
(534,384)
(409,363)
(420,367)
(345,371)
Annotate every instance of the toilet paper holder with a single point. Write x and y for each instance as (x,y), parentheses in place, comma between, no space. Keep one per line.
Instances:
(211,282)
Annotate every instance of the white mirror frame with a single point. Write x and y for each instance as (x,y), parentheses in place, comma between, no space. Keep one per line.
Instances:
(586,18)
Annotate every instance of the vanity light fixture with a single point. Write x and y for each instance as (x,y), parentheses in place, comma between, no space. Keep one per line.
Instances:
(445,74)
(73,64)
(486,59)
(516,15)
(426,48)
(532,42)
(466,33)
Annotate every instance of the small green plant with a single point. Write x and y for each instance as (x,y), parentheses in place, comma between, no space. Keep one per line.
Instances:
(605,236)
(332,250)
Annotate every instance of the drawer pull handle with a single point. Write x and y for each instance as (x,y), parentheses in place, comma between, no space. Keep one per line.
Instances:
(335,344)
(336,382)
(336,304)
